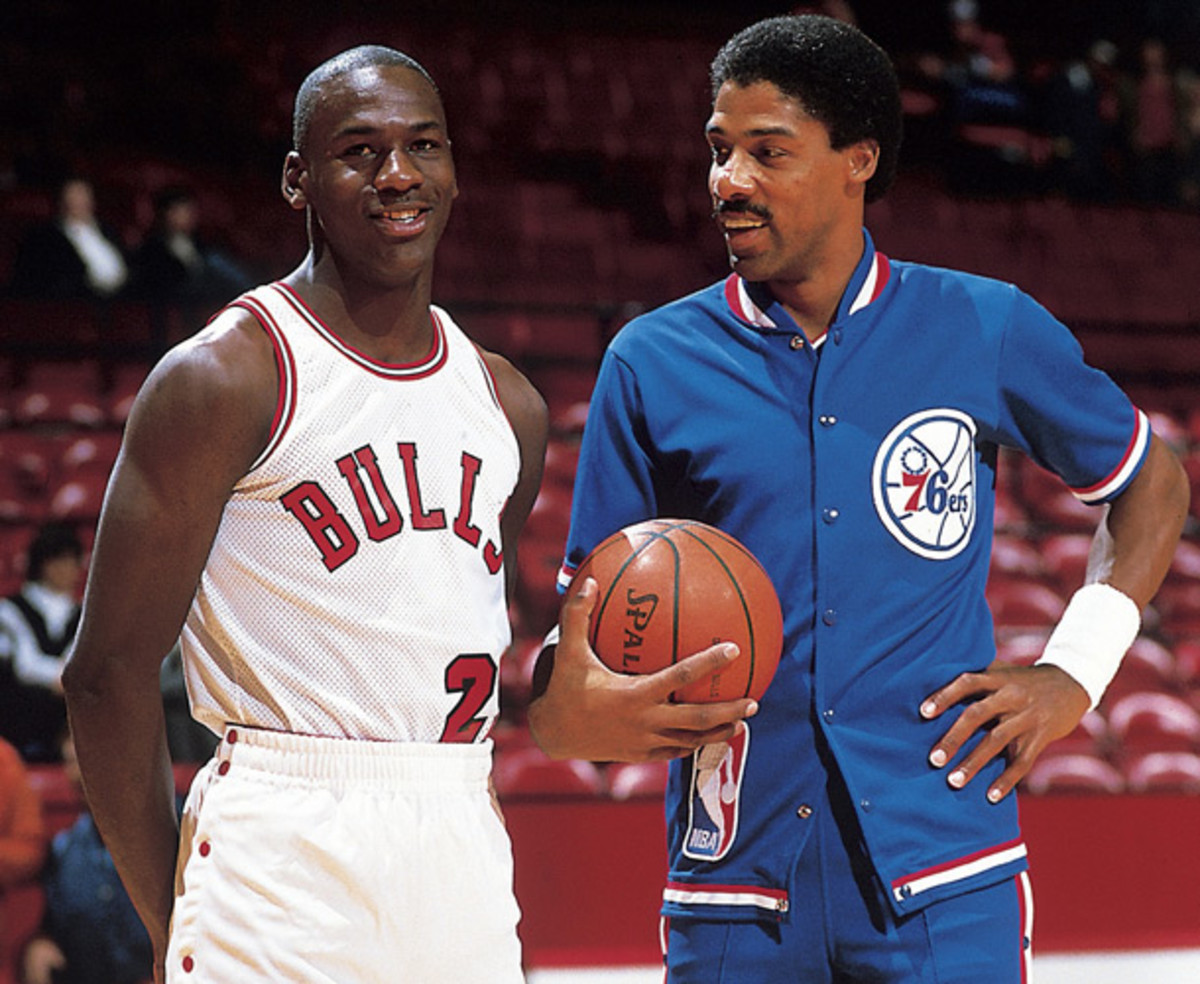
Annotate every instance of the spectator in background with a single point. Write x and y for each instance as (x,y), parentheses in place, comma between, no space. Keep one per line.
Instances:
(1083,121)
(994,149)
(22,835)
(90,932)
(1153,124)
(72,256)
(1189,182)
(36,626)
(175,265)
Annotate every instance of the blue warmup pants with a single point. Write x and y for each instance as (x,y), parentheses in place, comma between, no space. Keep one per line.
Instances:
(841,929)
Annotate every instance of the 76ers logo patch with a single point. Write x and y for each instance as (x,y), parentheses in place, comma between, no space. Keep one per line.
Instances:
(924,482)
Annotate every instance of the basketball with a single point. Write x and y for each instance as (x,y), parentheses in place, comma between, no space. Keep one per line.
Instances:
(672,587)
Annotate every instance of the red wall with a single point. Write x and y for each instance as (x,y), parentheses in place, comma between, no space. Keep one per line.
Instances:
(1109,873)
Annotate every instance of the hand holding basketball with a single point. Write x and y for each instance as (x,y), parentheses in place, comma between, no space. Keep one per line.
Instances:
(587,711)
(669,588)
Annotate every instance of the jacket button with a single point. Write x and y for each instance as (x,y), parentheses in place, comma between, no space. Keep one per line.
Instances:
(797,342)
(804,811)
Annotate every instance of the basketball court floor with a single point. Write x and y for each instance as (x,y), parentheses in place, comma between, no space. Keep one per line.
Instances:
(1149,967)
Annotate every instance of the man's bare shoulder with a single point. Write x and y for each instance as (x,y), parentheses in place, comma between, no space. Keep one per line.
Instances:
(221,384)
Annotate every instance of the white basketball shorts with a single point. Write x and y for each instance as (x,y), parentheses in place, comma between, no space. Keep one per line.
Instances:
(329,861)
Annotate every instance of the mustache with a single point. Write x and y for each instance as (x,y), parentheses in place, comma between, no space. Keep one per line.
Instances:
(741,208)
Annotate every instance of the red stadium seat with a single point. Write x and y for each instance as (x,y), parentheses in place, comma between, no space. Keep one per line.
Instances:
(530,772)
(562,457)
(1065,556)
(1010,515)
(1021,647)
(1073,773)
(30,457)
(516,675)
(1023,604)
(79,498)
(61,393)
(637,780)
(127,380)
(1050,503)
(1153,721)
(1148,666)
(91,451)
(1186,561)
(1187,664)
(1178,605)
(1164,772)
(1015,556)
(569,420)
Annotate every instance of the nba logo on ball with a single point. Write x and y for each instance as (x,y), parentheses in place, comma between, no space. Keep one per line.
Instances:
(924,482)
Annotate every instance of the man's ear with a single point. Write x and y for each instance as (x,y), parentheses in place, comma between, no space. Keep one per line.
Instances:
(863,158)
(295,174)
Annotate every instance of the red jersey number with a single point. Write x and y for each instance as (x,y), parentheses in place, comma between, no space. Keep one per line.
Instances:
(474,676)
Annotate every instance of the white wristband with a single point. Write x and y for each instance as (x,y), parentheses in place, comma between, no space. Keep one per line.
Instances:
(1092,637)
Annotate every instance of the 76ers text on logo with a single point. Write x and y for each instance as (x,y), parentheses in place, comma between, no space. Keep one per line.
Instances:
(924,482)
(378,510)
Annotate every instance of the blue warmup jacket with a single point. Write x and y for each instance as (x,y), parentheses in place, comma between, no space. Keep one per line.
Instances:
(861,472)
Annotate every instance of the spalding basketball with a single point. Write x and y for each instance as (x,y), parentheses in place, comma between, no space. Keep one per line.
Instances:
(672,587)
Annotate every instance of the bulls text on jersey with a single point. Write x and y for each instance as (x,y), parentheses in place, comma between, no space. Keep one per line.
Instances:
(378,510)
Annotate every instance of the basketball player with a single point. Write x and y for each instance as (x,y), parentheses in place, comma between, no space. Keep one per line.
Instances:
(840,414)
(322,492)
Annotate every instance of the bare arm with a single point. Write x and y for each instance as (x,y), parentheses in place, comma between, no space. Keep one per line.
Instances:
(526,412)
(1032,706)
(199,422)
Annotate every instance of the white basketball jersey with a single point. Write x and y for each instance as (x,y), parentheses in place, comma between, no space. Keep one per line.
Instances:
(356,584)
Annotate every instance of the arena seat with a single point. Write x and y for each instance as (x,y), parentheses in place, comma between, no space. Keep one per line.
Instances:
(34,323)
(1073,772)
(516,674)
(1147,666)
(1152,721)
(632,780)
(79,497)
(1021,646)
(1178,606)
(1164,772)
(1015,556)
(1049,502)
(126,380)
(1065,556)
(90,451)
(1024,604)
(60,393)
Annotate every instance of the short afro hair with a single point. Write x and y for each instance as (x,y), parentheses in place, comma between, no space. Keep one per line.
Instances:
(841,78)
(53,540)
(364,56)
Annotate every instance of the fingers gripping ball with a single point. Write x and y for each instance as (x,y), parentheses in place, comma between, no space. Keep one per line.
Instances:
(672,587)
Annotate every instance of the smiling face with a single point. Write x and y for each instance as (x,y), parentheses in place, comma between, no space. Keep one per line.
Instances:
(784,199)
(376,172)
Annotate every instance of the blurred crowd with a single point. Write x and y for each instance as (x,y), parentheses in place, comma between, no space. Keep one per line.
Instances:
(1096,102)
